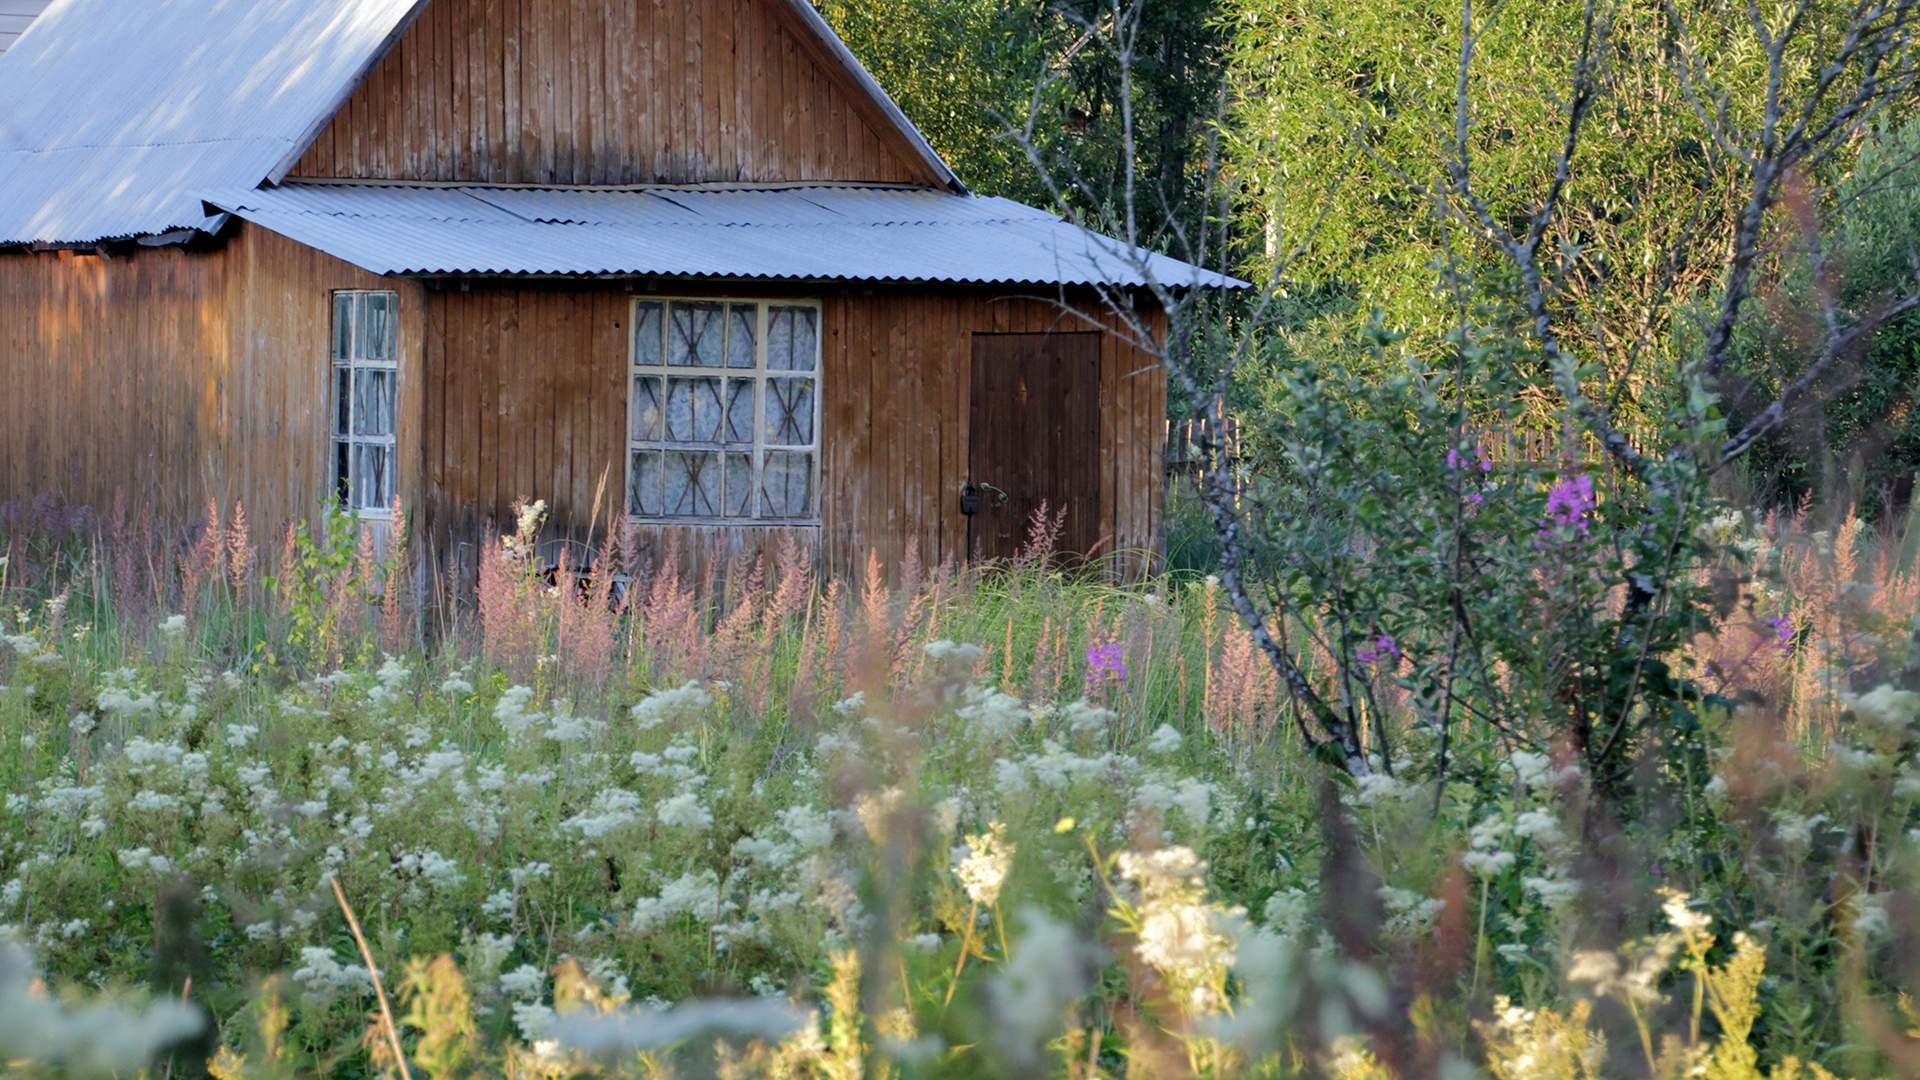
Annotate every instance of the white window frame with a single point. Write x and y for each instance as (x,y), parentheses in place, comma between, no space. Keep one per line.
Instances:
(350,363)
(759,373)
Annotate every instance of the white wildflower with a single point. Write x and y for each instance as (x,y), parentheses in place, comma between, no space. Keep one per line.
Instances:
(982,864)
(685,811)
(956,657)
(680,705)
(1870,917)
(1035,992)
(1181,935)
(991,714)
(1084,718)
(525,982)
(1486,863)
(1795,831)
(512,712)
(1886,707)
(1682,917)
(630,1030)
(696,894)
(100,1039)
(610,810)
(1164,740)
(1540,827)
(325,978)
(1409,912)
(1554,892)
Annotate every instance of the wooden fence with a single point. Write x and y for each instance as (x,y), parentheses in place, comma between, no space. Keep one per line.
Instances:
(1516,450)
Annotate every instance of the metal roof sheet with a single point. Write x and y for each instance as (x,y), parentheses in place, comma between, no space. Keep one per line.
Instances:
(117,112)
(827,233)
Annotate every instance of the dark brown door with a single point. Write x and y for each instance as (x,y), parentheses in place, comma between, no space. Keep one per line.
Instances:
(1035,439)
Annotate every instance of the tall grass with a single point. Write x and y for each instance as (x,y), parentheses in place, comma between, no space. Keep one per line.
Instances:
(605,817)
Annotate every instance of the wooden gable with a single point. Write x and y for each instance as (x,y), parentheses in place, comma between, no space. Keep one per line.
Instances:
(611,92)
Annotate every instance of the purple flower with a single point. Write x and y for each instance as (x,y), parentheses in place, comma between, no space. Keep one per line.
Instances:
(1456,460)
(1783,634)
(1107,661)
(1378,649)
(1569,503)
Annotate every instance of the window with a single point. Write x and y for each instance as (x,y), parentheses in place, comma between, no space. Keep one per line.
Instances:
(364,382)
(724,411)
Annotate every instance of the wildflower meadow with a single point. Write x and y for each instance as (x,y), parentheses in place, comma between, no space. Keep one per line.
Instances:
(1017,820)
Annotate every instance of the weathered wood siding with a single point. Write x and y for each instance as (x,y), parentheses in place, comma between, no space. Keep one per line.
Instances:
(168,377)
(609,92)
(527,398)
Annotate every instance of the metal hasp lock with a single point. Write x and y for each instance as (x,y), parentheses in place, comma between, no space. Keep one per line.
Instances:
(969,499)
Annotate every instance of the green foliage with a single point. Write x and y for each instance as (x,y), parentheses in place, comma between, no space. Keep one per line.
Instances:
(306,587)
(994,857)
(1344,124)
(968,72)
(1863,436)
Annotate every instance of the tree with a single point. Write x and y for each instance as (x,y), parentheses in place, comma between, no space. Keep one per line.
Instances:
(1343,114)
(1548,612)
(970,73)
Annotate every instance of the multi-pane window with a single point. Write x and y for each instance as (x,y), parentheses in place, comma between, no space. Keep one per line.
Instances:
(365,381)
(724,411)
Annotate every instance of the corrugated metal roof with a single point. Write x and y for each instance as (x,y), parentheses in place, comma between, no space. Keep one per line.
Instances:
(116,113)
(15,17)
(113,113)
(826,233)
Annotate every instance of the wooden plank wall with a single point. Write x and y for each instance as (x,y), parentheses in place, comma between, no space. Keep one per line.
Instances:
(609,92)
(527,399)
(168,376)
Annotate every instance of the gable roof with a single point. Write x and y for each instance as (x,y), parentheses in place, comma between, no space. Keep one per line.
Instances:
(119,114)
(839,232)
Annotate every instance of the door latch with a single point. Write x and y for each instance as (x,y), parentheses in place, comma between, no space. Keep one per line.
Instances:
(970,496)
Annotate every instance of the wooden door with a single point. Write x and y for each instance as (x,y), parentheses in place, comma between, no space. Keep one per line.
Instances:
(1035,439)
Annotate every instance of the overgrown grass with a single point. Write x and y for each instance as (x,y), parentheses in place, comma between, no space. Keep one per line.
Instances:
(1011,822)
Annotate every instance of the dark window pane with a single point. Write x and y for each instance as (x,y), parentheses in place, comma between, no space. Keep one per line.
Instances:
(381,325)
(643,492)
(792,338)
(342,401)
(342,473)
(372,476)
(786,485)
(373,394)
(649,411)
(693,411)
(740,335)
(692,484)
(362,327)
(739,422)
(789,412)
(738,487)
(694,335)
(342,326)
(649,333)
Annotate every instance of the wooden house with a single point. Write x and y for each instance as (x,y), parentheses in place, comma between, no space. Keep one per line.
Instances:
(677,260)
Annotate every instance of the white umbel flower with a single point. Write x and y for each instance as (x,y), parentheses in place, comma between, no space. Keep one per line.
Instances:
(982,864)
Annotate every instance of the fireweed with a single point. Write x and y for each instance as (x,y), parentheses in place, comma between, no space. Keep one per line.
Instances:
(1009,823)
